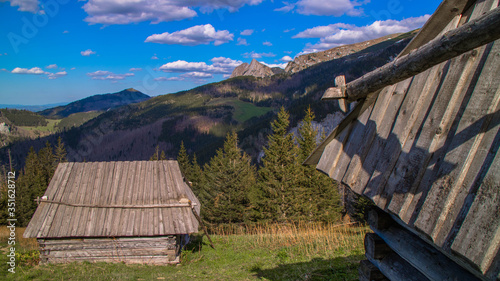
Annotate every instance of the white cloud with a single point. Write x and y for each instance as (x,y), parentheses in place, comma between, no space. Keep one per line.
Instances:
(108,75)
(246,32)
(34,70)
(341,34)
(135,69)
(197,75)
(65,32)
(196,35)
(87,53)
(154,57)
(32,6)
(242,41)
(39,71)
(286,59)
(52,66)
(280,65)
(267,43)
(255,55)
(169,79)
(57,74)
(323,31)
(132,11)
(220,65)
(335,8)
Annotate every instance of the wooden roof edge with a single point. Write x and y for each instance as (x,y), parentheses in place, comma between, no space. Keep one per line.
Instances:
(449,9)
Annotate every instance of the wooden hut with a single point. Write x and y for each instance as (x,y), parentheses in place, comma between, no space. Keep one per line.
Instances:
(133,212)
(422,143)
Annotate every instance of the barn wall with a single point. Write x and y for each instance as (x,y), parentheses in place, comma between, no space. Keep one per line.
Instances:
(151,250)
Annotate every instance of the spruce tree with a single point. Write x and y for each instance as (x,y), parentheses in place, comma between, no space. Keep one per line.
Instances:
(60,152)
(319,197)
(183,160)
(274,198)
(228,178)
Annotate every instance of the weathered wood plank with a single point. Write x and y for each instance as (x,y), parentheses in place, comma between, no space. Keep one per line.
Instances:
(47,221)
(422,256)
(475,33)
(36,221)
(465,145)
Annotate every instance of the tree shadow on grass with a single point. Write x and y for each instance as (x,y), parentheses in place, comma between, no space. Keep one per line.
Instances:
(341,268)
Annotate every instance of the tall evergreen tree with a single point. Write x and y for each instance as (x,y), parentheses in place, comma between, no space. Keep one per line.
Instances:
(318,194)
(183,160)
(228,178)
(60,152)
(275,196)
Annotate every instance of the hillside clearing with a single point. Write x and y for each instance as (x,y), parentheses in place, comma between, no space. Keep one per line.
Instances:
(276,252)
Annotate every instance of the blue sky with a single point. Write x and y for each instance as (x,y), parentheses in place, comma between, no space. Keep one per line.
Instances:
(55,51)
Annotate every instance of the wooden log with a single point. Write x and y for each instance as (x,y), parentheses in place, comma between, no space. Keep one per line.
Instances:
(422,256)
(378,219)
(376,247)
(471,35)
(368,272)
(396,268)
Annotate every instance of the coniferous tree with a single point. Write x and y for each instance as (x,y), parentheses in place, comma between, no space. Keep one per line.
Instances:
(60,152)
(318,193)
(183,160)
(228,178)
(275,196)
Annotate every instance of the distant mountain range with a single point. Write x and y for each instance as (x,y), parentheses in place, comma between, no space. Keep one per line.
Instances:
(202,116)
(33,108)
(96,103)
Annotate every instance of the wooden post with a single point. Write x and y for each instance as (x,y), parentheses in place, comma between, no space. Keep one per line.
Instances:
(202,225)
(475,33)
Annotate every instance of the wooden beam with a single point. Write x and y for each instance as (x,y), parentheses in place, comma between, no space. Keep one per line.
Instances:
(378,219)
(467,37)
(421,255)
(396,268)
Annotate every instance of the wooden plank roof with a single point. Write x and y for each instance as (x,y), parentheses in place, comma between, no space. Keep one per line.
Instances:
(115,199)
(426,149)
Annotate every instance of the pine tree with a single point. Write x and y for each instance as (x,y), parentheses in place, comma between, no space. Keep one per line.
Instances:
(60,152)
(229,176)
(318,194)
(183,160)
(275,196)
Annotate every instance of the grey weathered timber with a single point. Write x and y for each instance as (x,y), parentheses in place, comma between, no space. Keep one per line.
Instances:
(422,256)
(425,149)
(455,42)
(92,210)
(396,268)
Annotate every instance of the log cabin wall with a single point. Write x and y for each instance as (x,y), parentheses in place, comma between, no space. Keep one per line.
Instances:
(425,150)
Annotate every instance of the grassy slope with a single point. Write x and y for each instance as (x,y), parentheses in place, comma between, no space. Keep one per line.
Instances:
(51,126)
(332,253)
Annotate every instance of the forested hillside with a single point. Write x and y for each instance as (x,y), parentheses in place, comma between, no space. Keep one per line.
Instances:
(202,117)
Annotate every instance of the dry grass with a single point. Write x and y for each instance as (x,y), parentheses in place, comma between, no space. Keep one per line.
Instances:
(308,239)
(21,243)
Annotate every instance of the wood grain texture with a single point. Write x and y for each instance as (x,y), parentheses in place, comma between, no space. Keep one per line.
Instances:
(115,199)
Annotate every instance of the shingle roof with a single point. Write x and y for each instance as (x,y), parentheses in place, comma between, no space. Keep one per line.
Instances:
(115,199)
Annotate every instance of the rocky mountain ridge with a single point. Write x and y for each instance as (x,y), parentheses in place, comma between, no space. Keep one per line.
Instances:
(255,69)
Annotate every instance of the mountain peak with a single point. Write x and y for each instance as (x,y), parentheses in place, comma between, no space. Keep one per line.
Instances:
(256,69)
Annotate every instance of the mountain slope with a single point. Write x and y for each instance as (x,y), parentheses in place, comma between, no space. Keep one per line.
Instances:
(96,103)
(202,116)
(304,61)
